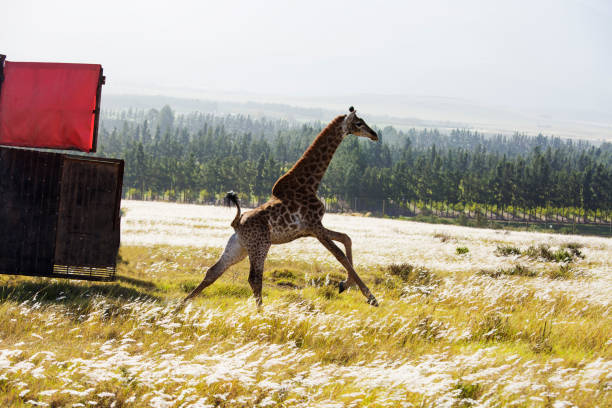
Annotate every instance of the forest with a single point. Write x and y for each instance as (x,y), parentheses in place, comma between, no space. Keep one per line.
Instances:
(197,157)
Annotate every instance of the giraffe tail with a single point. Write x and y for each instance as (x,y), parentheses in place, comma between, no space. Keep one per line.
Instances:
(230,198)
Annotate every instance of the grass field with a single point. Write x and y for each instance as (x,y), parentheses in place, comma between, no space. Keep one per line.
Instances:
(467,317)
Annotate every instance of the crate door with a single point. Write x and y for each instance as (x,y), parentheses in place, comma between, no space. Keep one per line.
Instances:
(88,222)
(29,202)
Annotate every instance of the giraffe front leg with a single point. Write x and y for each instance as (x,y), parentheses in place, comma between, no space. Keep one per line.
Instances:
(337,252)
(346,241)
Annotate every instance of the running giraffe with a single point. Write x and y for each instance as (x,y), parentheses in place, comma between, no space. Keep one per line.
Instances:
(294,211)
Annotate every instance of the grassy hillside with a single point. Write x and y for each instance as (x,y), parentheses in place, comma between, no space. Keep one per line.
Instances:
(468,317)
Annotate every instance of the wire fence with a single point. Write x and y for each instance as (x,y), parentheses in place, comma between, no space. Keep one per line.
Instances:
(462,212)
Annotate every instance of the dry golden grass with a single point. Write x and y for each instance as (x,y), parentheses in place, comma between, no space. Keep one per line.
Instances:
(440,337)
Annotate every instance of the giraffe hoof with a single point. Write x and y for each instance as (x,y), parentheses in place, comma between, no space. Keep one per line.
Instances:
(341,287)
(372,301)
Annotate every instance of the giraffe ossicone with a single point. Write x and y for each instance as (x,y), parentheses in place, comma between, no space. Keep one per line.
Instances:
(293,211)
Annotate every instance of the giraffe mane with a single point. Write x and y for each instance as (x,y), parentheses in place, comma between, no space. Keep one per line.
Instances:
(324,132)
(287,181)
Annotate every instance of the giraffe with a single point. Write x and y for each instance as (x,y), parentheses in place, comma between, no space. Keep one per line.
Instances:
(293,211)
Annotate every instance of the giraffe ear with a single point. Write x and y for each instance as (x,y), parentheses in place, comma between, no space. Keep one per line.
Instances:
(351,109)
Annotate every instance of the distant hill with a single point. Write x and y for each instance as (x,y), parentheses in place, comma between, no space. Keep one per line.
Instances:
(259,109)
(400,111)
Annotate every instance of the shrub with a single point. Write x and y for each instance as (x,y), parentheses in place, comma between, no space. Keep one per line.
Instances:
(516,270)
(386,281)
(560,255)
(286,283)
(403,271)
(565,271)
(462,250)
(443,237)
(574,248)
(507,250)
(468,391)
(538,252)
(327,292)
(492,326)
(520,270)
(413,275)
(283,274)
(288,278)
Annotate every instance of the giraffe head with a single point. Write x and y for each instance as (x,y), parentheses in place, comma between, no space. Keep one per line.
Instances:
(354,125)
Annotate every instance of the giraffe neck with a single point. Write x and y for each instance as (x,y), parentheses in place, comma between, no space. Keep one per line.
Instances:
(307,172)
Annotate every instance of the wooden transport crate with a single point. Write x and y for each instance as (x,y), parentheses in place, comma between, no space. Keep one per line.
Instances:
(59,214)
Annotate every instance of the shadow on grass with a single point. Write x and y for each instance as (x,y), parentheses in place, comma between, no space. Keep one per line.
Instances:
(137,282)
(68,291)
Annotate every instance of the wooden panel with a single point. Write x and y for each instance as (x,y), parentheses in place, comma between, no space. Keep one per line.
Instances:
(88,224)
(29,202)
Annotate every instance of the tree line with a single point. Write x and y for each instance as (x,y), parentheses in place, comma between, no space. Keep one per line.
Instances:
(198,157)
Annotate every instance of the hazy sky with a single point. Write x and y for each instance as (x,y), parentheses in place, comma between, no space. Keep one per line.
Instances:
(552,54)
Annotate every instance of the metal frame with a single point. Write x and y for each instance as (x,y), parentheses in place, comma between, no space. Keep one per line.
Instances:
(101,81)
(2,58)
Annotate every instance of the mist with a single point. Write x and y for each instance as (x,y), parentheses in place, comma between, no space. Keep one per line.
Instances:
(492,65)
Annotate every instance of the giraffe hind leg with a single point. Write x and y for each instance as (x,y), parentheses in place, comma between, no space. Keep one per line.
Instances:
(257,257)
(234,252)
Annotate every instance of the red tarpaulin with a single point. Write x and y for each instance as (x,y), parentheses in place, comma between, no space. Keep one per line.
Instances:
(49,105)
